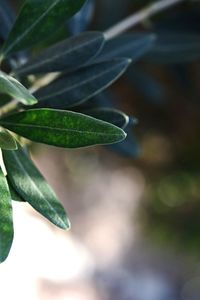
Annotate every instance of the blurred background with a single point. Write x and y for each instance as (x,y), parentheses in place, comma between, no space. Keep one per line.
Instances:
(134,207)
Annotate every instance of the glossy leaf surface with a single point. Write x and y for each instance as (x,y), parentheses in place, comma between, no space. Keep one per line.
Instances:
(10,86)
(31,186)
(75,88)
(38,20)
(62,128)
(66,55)
(6,221)
(7,141)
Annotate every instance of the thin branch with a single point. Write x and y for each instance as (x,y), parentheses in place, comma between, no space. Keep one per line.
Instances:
(138,17)
(12,105)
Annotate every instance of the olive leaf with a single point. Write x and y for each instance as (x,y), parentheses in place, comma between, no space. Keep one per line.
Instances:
(62,128)
(38,20)
(10,86)
(6,219)
(32,187)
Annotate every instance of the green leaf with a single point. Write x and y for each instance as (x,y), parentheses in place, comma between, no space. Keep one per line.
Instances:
(173,48)
(66,55)
(6,221)
(32,187)
(7,141)
(37,21)
(10,86)
(62,128)
(75,88)
(13,193)
(114,116)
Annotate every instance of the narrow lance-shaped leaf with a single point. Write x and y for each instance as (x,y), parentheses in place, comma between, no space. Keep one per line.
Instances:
(38,20)
(32,187)
(173,48)
(66,55)
(113,116)
(10,86)
(62,128)
(13,193)
(75,88)
(6,220)
(133,46)
(7,141)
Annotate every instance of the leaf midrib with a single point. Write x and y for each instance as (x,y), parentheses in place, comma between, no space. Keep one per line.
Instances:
(39,192)
(43,62)
(72,87)
(29,29)
(58,128)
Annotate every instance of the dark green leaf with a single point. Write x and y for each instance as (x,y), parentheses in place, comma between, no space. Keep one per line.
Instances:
(7,141)
(13,193)
(114,116)
(133,46)
(62,128)
(6,221)
(32,187)
(66,55)
(75,88)
(10,86)
(175,48)
(38,20)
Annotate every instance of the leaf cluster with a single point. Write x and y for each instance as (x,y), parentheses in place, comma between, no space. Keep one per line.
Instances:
(45,93)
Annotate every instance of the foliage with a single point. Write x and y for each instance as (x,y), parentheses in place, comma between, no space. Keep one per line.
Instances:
(46,82)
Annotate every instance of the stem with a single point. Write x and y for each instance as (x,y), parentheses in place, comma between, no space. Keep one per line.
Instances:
(138,17)
(8,107)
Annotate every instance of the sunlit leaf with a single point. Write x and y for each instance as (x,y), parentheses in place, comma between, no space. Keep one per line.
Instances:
(62,128)
(10,86)
(38,20)
(32,187)
(7,141)
(6,221)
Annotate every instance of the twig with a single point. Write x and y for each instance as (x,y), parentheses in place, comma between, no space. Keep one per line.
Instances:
(138,17)
(8,107)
